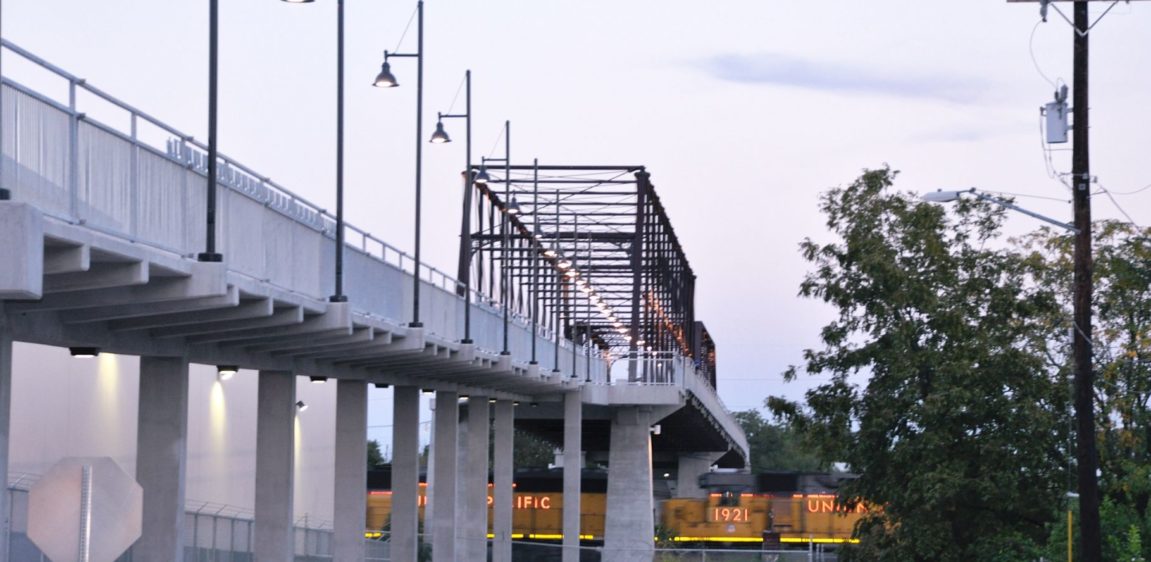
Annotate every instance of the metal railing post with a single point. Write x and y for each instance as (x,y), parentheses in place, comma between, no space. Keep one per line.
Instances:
(73,150)
(134,182)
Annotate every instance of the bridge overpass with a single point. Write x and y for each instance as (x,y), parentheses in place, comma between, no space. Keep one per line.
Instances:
(101,228)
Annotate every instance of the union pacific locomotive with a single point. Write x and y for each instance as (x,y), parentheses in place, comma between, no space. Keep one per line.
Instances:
(781,509)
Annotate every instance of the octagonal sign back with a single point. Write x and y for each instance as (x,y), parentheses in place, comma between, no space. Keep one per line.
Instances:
(55,508)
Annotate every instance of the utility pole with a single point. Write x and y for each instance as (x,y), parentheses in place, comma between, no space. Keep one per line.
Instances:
(1086,454)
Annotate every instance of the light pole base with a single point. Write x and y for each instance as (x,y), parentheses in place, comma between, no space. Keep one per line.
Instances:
(210,257)
(338,298)
(467,341)
(416,325)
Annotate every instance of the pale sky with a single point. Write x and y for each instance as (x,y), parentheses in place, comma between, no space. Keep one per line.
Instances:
(743,112)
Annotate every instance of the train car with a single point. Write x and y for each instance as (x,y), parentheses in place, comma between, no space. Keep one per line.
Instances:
(537,511)
(740,510)
(786,508)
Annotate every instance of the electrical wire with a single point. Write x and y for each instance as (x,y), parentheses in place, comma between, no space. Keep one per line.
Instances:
(1140,190)
(1028,195)
(457,96)
(1118,206)
(406,28)
(496,144)
(1035,61)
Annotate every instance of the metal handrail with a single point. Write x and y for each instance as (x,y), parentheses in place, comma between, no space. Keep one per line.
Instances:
(193,155)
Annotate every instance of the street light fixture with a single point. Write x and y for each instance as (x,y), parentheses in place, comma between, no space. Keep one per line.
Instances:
(941,196)
(386,79)
(440,136)
(482,178)
(338,294)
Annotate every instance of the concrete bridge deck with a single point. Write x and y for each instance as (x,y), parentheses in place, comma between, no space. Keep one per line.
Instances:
(101,235)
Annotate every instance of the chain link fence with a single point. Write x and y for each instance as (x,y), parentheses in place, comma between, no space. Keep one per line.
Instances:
(212,533)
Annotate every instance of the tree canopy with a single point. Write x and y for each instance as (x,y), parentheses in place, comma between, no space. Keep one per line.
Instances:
(775,447)
(939,394)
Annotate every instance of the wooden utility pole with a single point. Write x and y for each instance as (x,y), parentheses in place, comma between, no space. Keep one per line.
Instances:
(1087,456)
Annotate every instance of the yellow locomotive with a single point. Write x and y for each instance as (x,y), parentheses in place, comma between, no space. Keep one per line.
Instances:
(739,510)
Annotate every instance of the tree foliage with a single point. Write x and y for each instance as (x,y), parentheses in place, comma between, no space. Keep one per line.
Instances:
(531,451)
(375,457)
(939,393)
(1121,347)
(775,447)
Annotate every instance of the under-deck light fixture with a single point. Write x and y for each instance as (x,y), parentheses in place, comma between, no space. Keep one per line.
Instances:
(301,406)
(317,379)
(225,372)
(382,385)
(513,206)
(84,352)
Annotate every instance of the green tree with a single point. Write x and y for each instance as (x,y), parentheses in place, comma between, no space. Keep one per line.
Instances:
(530,451)
(775,447)
(1122,351)
(375,457)
(939,395)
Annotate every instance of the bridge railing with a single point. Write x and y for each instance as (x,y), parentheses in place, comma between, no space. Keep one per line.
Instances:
(132,176)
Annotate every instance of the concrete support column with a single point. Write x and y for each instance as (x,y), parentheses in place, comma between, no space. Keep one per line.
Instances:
(691,467)
(502,474)
(405,473)
(162,456)
(472,521)
(350,487)
(274,536)
(630,517)
(5,428)
(573,472)
(445,445)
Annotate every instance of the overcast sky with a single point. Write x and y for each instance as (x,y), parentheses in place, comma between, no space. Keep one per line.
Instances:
(743,111)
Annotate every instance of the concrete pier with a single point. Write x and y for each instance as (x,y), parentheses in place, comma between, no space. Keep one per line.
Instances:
(445,445)
(162,456)
(405,473)
(502,475)
(630,515)
(472,521)
(350,490)
(5,428)
(573,472)
(274,537)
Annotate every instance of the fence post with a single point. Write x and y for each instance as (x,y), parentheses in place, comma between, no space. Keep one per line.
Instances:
(73,150)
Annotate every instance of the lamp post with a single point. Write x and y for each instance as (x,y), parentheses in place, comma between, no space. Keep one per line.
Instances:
(4,193)
(338,294)
(210,254)
(511,207)
(385,79)
(440,136)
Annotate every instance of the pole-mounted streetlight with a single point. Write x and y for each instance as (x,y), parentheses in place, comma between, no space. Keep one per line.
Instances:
(440,136)
(1086,438)
(941,196)
(385,79)
(338,294)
